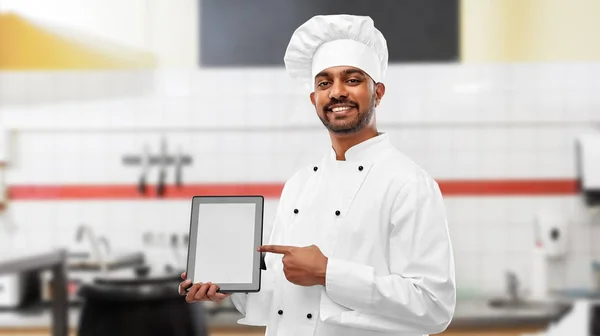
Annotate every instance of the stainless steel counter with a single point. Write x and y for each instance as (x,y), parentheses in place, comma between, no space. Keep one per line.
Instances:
(479,314)
(29,260)
(475,313)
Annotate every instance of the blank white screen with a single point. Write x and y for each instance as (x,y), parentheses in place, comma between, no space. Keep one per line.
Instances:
(225,243)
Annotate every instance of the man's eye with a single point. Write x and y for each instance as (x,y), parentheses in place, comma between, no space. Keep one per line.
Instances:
(323,83)
(353,80)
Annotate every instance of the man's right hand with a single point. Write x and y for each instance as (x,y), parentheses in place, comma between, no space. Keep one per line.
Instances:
(200,292)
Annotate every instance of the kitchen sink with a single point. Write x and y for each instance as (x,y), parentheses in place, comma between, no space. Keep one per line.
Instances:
(81,261)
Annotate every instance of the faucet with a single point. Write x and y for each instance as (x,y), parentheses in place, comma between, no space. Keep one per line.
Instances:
(94,242)
(512,284)
(106,244)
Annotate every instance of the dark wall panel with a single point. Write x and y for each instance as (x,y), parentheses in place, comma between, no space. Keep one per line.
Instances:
(256,32)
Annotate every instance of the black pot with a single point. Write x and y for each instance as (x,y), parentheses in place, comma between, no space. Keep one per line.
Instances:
(140,305)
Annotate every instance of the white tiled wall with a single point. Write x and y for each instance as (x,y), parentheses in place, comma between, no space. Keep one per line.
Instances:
(457,121)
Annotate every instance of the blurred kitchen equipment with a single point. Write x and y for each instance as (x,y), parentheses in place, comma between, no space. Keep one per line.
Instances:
(163,160)
(143,183)
(550,243)
(179,168)
(102,240)
(11,291)
(35,260)
(139,303)
(162,173)
(46,288)
(596,274)
(179,258)
(19,289)
(513,297)
(551,232)
(538,288)
(582,320)
(86,230)
(587,152)
(148,239)
(512,286)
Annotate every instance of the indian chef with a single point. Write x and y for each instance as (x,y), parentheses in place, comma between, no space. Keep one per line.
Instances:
(360,243)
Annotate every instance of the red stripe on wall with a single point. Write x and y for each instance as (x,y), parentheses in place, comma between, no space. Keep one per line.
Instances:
(509,187)
(66,192)
(522,187)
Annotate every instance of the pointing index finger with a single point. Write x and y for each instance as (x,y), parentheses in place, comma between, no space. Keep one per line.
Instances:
(279,249)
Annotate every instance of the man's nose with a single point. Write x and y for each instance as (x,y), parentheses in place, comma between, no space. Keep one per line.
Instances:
(338,90)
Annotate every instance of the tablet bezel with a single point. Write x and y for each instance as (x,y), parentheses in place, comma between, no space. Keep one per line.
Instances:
(258,201)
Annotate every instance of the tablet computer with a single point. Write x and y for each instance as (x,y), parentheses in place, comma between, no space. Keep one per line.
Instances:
(225,233)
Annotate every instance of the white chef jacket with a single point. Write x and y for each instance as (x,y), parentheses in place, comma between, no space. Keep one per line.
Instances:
(381,221)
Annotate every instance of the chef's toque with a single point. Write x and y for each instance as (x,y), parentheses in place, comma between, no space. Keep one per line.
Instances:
(336,40)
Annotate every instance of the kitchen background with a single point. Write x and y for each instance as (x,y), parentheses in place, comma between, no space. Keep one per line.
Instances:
(91,92)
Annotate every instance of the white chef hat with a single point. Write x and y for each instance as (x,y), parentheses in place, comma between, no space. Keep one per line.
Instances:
(336,40)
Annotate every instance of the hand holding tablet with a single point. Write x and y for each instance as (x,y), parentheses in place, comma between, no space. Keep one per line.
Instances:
(225,233)
(200,292)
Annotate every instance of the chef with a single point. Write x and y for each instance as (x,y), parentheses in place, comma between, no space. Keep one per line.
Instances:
(360,242)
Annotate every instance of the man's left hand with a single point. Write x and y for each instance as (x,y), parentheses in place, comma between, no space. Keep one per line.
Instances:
(304,266)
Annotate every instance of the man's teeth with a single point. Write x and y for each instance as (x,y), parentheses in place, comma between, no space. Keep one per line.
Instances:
(340,109)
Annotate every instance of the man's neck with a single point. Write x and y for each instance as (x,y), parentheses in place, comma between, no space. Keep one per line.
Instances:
(341,143)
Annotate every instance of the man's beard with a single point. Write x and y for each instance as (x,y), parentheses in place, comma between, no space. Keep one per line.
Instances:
(362,119)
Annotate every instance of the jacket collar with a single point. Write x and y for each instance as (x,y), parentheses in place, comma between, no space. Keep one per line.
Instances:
(366,150)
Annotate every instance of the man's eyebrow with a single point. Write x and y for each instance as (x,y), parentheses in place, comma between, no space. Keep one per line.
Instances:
(322,74)
(353,71)
(345,72)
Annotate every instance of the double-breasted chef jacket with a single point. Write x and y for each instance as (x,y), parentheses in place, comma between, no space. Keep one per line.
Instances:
(380,219)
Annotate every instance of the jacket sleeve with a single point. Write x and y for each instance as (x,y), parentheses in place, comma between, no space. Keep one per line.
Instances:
(418,295)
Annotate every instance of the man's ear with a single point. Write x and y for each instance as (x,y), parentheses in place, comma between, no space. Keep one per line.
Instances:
(379,92)
(312,98)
